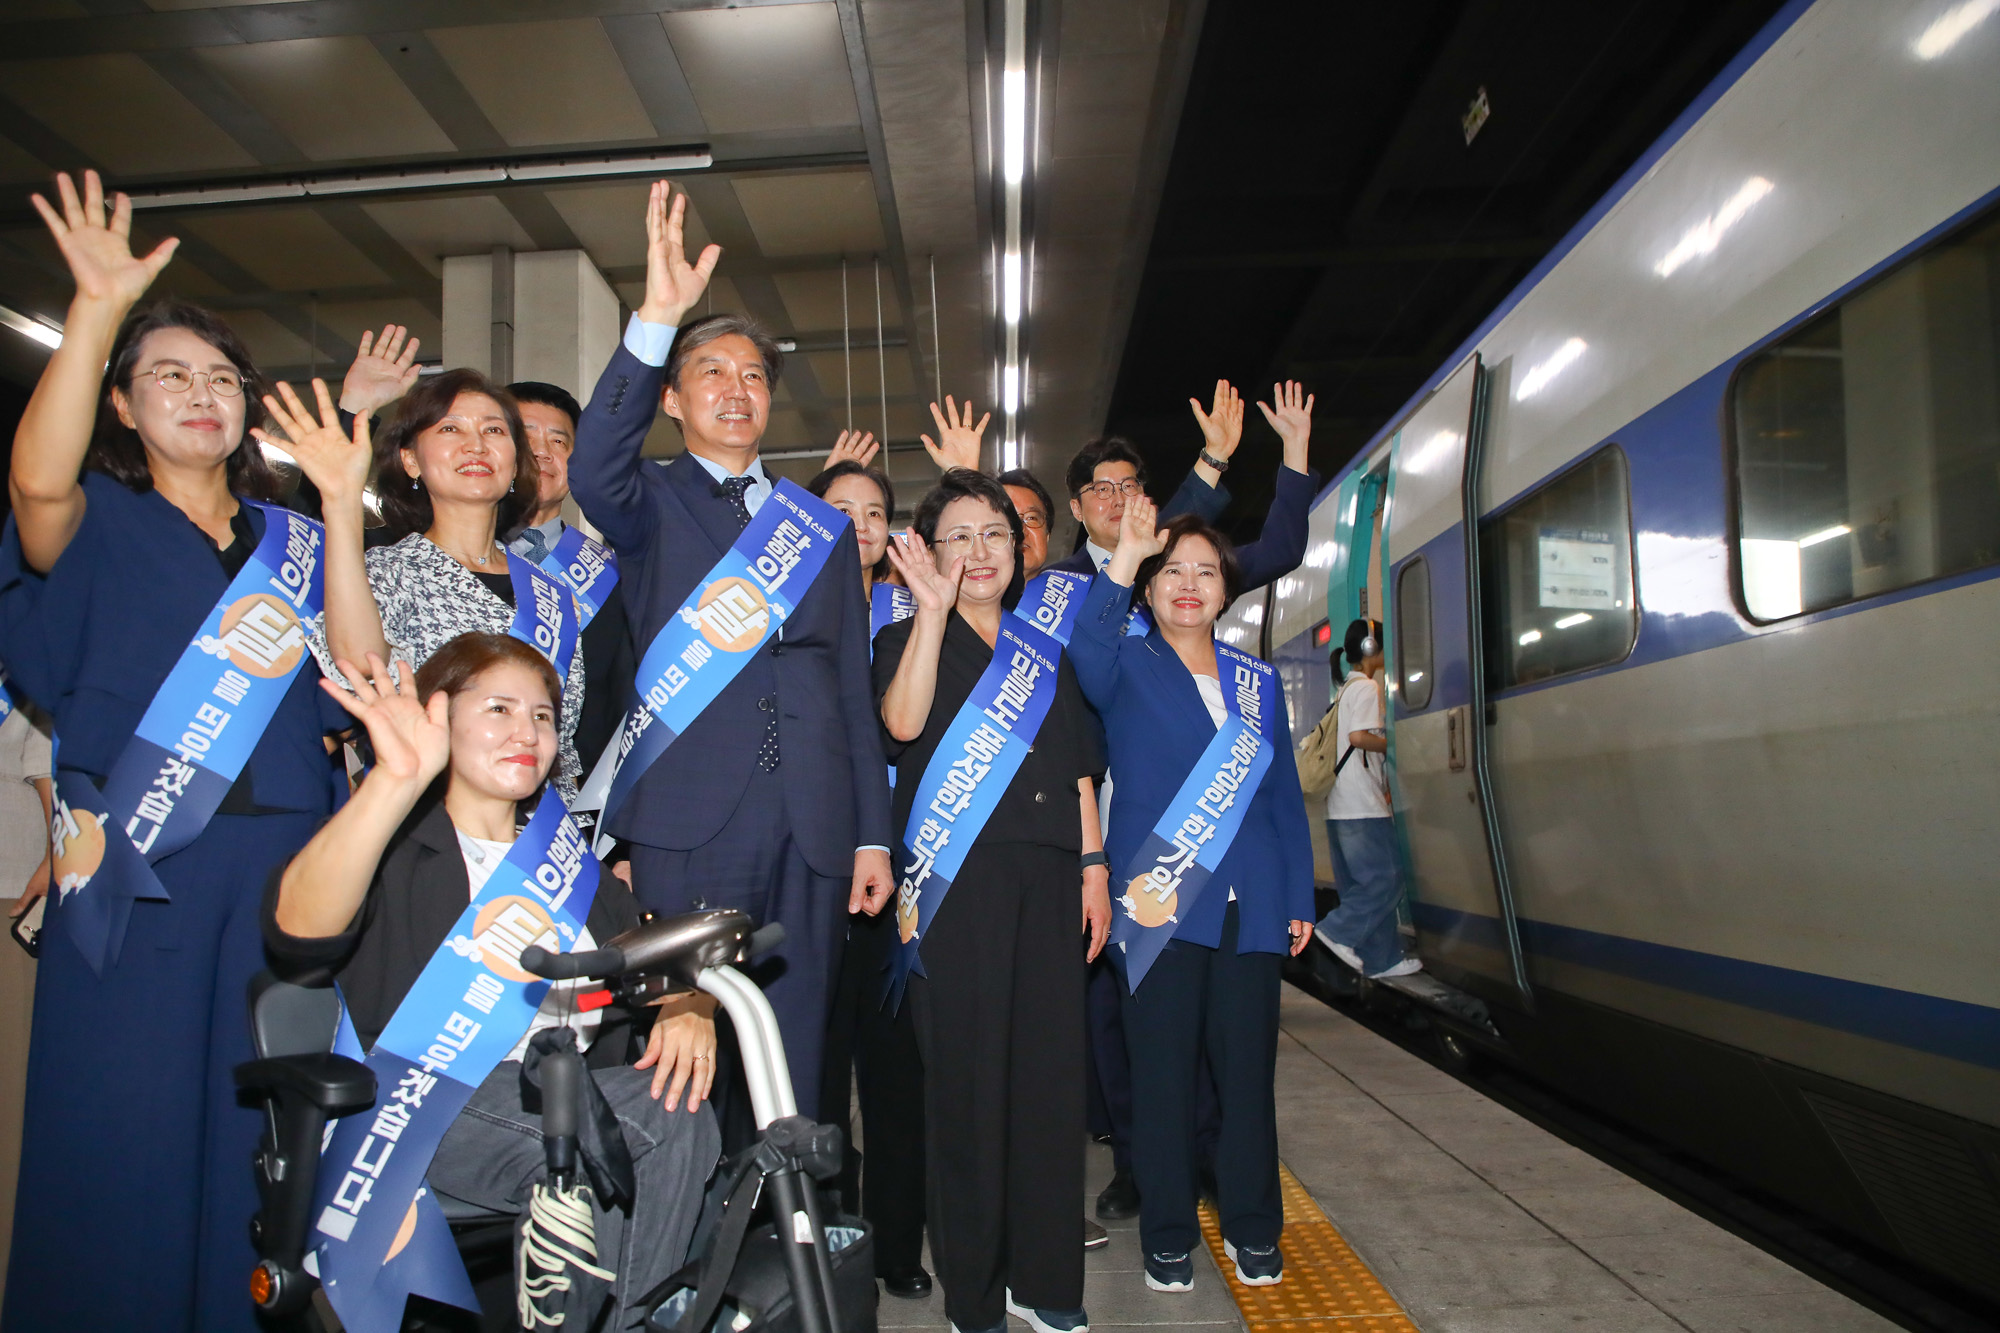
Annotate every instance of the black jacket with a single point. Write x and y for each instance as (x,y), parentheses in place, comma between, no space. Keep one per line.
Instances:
(419,891)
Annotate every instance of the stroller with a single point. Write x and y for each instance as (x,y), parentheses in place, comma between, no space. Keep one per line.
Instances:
(794,1273)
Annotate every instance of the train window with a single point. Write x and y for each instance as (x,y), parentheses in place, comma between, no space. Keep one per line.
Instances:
(1867,443)
(1557,569)
(1413,634)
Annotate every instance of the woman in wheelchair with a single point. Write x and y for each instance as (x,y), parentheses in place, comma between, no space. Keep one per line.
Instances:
(376,892)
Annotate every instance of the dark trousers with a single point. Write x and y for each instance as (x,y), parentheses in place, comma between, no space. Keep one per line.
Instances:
(136,1193)
(886,1180)
(753,865)
(1110,1068)
(999,1019)
(1195,996)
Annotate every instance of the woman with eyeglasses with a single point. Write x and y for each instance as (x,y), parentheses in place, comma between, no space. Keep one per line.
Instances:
(1213,866)
(448,477)
(153,606)
(998,1002)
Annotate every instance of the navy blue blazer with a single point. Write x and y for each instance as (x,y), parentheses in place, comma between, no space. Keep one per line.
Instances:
(1279,549)
(93,639)
(1156,726)
(669,527)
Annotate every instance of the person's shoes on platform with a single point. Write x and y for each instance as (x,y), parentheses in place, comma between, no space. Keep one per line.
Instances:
(1170,1272)
(1049,1321)
(1256,1265)
(912,1284)
(1339,950)
(1095,1237)
(1402,969)
(1120,1199)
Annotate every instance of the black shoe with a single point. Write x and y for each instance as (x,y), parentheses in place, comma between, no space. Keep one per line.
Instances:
(1120,1198)
(912,1284)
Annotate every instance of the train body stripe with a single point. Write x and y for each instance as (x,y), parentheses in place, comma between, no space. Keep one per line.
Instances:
(1929,1023)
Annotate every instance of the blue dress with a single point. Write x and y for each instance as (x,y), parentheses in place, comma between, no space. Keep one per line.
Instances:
(136,1188)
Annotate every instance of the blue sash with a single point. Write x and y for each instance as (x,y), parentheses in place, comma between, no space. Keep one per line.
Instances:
(588,567)
(193,741)
(887,604)
(1173,864)
(545,614)
(982,750)
(741,603)
(378,1235)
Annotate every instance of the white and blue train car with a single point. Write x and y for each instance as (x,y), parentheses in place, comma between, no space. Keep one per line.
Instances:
(1690,563)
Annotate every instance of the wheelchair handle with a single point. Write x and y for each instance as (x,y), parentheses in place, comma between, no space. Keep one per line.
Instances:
(566,966)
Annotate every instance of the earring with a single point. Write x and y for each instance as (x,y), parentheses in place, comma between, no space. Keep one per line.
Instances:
(413,483)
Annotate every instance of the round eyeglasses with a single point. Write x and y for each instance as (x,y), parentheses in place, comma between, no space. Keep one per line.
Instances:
(179,379)
(991,539)
(1105,490)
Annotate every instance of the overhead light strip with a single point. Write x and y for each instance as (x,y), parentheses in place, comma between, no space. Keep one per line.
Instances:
(38,330)
(444,178)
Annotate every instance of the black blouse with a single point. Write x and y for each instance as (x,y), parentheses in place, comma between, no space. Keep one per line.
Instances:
(1040,804)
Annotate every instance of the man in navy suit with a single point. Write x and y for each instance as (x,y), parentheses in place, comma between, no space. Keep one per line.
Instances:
(1104,475)
(773,800)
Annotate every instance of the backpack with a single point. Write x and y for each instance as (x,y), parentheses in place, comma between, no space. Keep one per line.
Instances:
(1318,768)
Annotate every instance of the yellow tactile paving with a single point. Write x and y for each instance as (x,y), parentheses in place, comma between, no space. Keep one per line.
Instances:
(1326,1285)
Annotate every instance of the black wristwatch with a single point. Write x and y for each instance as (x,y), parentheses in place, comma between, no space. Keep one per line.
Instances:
(1219,464)
(1095,859)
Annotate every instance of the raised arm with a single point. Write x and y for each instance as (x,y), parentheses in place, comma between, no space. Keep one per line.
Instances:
(906,706)
(325,886)
(1098,637)
(604,470)
(384,369)
(1281,546)
(55,429)
(957,444)
(1221,431)
(338,466)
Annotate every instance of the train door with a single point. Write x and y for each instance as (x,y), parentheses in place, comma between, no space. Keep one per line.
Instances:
(1460,903)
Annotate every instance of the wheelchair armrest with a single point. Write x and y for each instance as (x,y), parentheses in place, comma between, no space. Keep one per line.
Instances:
(335,1084)
(300,1093)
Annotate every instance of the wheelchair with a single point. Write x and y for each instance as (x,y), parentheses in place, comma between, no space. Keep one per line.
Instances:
(799,1272)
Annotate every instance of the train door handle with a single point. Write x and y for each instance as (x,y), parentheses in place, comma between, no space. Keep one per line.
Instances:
(1455,738)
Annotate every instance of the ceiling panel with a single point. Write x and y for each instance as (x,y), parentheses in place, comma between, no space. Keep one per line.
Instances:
(335,97)
(349,318)
(829,369)
(45,9)
(430,229)
(813,213)
(610,220)
(544,83)
(146,127)
(210,4)
(271,343)
(721,295)
(813,299)
(17,165)
(287,249)
(777,67)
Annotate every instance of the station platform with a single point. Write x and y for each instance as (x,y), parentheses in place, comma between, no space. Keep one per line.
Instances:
(1414,1202)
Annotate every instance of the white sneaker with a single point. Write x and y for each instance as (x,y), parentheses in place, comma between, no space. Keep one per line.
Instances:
(1402,969)
(1340,951)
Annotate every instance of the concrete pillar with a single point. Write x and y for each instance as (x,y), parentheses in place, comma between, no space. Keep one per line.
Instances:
(555,319)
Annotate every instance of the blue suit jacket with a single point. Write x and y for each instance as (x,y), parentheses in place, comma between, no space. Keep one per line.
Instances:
(669,526)
(1279,549)
(1156,726)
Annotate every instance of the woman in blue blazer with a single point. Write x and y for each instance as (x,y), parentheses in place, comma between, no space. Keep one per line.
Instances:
(1215,984)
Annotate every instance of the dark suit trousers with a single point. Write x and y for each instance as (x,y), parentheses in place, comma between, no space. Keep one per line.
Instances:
(886,1178)
(1000,1022)
(753,865)
(1195,996)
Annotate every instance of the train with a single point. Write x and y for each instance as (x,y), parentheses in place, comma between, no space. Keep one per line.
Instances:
(1689,564)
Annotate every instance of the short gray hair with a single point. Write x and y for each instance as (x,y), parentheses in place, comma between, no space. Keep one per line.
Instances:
(700,332)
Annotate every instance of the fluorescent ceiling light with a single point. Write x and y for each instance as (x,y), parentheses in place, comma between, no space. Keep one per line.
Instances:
(48,335)
(378,181)
(1705,235)
(222,194)
(1951,25)
(1571,622)
(1010,389)
(1532,636)
(1014,124)
(1560,360)
(1824,535)
(1010,287)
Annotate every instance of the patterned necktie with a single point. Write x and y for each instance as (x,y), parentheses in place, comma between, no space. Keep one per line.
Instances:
(732,489)
(538,548)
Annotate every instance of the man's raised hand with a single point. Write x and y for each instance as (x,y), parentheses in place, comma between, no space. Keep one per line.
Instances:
(672,284)
(1222,424)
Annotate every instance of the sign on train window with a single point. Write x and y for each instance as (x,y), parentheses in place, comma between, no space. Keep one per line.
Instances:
(1413,634)
(1557,570)
(1867,443)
